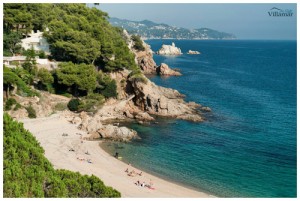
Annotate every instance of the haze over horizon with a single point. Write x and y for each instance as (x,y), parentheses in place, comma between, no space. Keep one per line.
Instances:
(246,21)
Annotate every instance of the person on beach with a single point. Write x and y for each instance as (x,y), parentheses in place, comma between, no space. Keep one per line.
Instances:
(126,170)
(132,173)
(140,174)
(143,184)
(137,183)
(116,155)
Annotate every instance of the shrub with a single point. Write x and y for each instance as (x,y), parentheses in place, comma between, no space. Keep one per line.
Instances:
(42,54)
(60,106)
(9,103)
(18,106)
(31,112)
(73,104)
(110,90)
(138,43)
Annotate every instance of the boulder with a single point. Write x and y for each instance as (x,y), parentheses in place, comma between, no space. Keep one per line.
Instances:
(205,109)
(144,116)
(117,133)
(76,120)
(164,69)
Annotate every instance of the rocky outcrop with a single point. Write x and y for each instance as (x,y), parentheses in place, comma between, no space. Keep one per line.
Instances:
(117,133)
(163,102)
(193,52)
(44,105)
(144,59)
(164,69)
(169,50)
(95,129)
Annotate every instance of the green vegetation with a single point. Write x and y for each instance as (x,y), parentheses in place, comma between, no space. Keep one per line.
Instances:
(11,43)
(138,43)
(73,104)
(9,103)
(12,81)
(31,112)
(60,106)
(17,106)
(27,173)
(84,42)
(77,77)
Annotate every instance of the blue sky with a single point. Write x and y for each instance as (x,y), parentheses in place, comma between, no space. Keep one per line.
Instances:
(246,21)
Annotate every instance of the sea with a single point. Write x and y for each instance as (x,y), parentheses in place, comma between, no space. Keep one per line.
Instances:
(247,146)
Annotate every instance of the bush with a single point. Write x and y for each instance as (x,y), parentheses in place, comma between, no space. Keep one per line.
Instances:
(60,106)
(9,103)
(42,54)
(18,106)
(73,104)
(138,43)
(110,90)
(31,112)
(138,77)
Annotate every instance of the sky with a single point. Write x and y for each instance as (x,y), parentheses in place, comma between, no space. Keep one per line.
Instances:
(246,21)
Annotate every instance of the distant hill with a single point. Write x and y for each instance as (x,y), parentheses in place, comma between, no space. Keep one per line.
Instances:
(151,30)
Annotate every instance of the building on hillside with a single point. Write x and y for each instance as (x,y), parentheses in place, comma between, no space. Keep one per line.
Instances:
(37,41)
(13,62)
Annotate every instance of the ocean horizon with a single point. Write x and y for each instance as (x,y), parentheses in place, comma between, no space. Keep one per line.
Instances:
(247,146)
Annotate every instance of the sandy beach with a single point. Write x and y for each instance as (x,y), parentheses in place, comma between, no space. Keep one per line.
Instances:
(65,149)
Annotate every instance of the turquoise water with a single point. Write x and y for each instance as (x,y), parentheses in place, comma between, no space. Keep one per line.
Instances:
(247,146)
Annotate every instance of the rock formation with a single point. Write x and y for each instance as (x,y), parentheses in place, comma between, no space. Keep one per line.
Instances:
(169,50)
(164,69)
(117,133)
(43,105)
(144,59)
(193,52)
(163,102)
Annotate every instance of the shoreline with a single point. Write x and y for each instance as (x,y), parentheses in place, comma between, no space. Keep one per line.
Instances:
(48,131)
(153,174)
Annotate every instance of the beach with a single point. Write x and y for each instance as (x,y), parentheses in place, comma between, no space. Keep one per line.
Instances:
(65,149)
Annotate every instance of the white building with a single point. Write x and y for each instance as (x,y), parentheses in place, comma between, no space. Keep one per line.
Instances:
(13,62)
(37,41)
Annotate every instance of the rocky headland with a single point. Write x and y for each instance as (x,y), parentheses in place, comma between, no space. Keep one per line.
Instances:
(144,59)
(138,100)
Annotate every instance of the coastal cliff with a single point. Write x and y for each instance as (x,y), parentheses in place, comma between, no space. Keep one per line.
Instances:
(144,59)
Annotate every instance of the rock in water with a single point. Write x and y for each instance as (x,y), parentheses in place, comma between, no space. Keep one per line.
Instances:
(164,69)
(169,50)
(193,52)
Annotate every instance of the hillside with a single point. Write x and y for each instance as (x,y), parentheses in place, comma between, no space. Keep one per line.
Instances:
(151,30)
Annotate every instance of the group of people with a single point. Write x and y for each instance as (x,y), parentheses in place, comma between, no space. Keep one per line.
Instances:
(133,173)
(83,159)
(143,184)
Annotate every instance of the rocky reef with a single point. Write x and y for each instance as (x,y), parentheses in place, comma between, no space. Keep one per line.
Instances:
(193,52)
(169,50)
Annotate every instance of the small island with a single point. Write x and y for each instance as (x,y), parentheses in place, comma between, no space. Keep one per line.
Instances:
(169,50)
